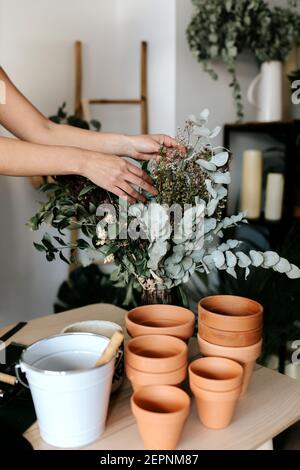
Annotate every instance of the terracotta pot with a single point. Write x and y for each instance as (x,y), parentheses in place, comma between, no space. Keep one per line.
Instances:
(230,313)
(156,353)
(160,319)
(160,412)
(215,409)
(229,338)
(140,378)
(216,374)
(244,355)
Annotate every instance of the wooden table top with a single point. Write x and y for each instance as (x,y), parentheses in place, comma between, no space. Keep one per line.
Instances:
(271,404)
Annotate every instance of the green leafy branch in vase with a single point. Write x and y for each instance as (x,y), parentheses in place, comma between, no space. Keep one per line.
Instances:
(152,247)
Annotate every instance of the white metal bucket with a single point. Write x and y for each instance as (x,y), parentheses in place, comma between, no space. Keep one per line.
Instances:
(70,395)
(107,329)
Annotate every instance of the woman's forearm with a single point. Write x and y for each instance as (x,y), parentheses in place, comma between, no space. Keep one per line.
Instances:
(115,174)
(19,158)
(58,134)
(23,120)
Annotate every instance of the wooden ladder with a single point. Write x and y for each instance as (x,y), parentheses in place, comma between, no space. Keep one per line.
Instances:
(82,106)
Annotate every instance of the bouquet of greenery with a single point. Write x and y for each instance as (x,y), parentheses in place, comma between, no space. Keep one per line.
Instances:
(158,245)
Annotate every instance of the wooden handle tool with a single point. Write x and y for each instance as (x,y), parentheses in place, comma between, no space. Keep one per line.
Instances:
(8,379)
(111,349)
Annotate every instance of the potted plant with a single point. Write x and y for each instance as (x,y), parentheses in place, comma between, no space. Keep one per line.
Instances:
(158,245)
(277,33)
(223,29)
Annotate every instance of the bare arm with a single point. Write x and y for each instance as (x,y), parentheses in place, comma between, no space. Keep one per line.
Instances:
(23,120)
(115,174)
(46,148)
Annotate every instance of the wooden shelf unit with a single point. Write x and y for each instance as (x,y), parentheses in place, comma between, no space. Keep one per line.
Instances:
(287,133)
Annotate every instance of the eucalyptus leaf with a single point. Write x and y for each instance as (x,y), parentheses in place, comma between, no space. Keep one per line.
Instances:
(256,257)
(223,178)
(243,260)
(270,259)
(220,159)
(218,258)
(294,273)
(209,166)
(231,259)
(86,189)
(215,132)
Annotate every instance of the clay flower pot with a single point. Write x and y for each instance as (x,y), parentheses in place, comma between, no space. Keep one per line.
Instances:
(160,412)
(160,320)
(156,353)
(229,338)
(216,374)
(141,379)
(244,355)
(215,409)
(230,313)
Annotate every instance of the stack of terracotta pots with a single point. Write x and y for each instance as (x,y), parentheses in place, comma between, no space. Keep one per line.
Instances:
(156,360)
(231,327)
(156,363)
(216,384)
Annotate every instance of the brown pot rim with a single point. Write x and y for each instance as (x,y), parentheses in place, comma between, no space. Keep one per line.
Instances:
(233,394)
(215,384)
(143,373)
(166,363)
(183,329)
(229,338)
(254,351)
(174,415)
(229,322)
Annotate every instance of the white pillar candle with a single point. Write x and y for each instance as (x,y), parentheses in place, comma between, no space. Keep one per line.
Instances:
(274,196)
(251,183)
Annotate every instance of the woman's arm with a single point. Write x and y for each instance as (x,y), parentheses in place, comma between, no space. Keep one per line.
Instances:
(18,158)
(23,120)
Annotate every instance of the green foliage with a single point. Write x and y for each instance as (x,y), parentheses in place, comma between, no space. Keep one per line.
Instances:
(276,32)
(223,29)
(62,117)
(88,285)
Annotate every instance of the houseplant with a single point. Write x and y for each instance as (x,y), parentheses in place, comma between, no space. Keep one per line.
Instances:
(158,245)
(278,32)
(223,29)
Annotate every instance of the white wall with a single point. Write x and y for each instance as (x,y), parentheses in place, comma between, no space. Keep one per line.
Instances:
(152,21)
(36,49)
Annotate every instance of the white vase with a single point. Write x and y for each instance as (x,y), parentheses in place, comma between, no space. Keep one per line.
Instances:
(269,92)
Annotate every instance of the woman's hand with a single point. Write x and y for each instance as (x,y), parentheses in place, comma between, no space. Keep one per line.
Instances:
(118,176)
(146,147)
